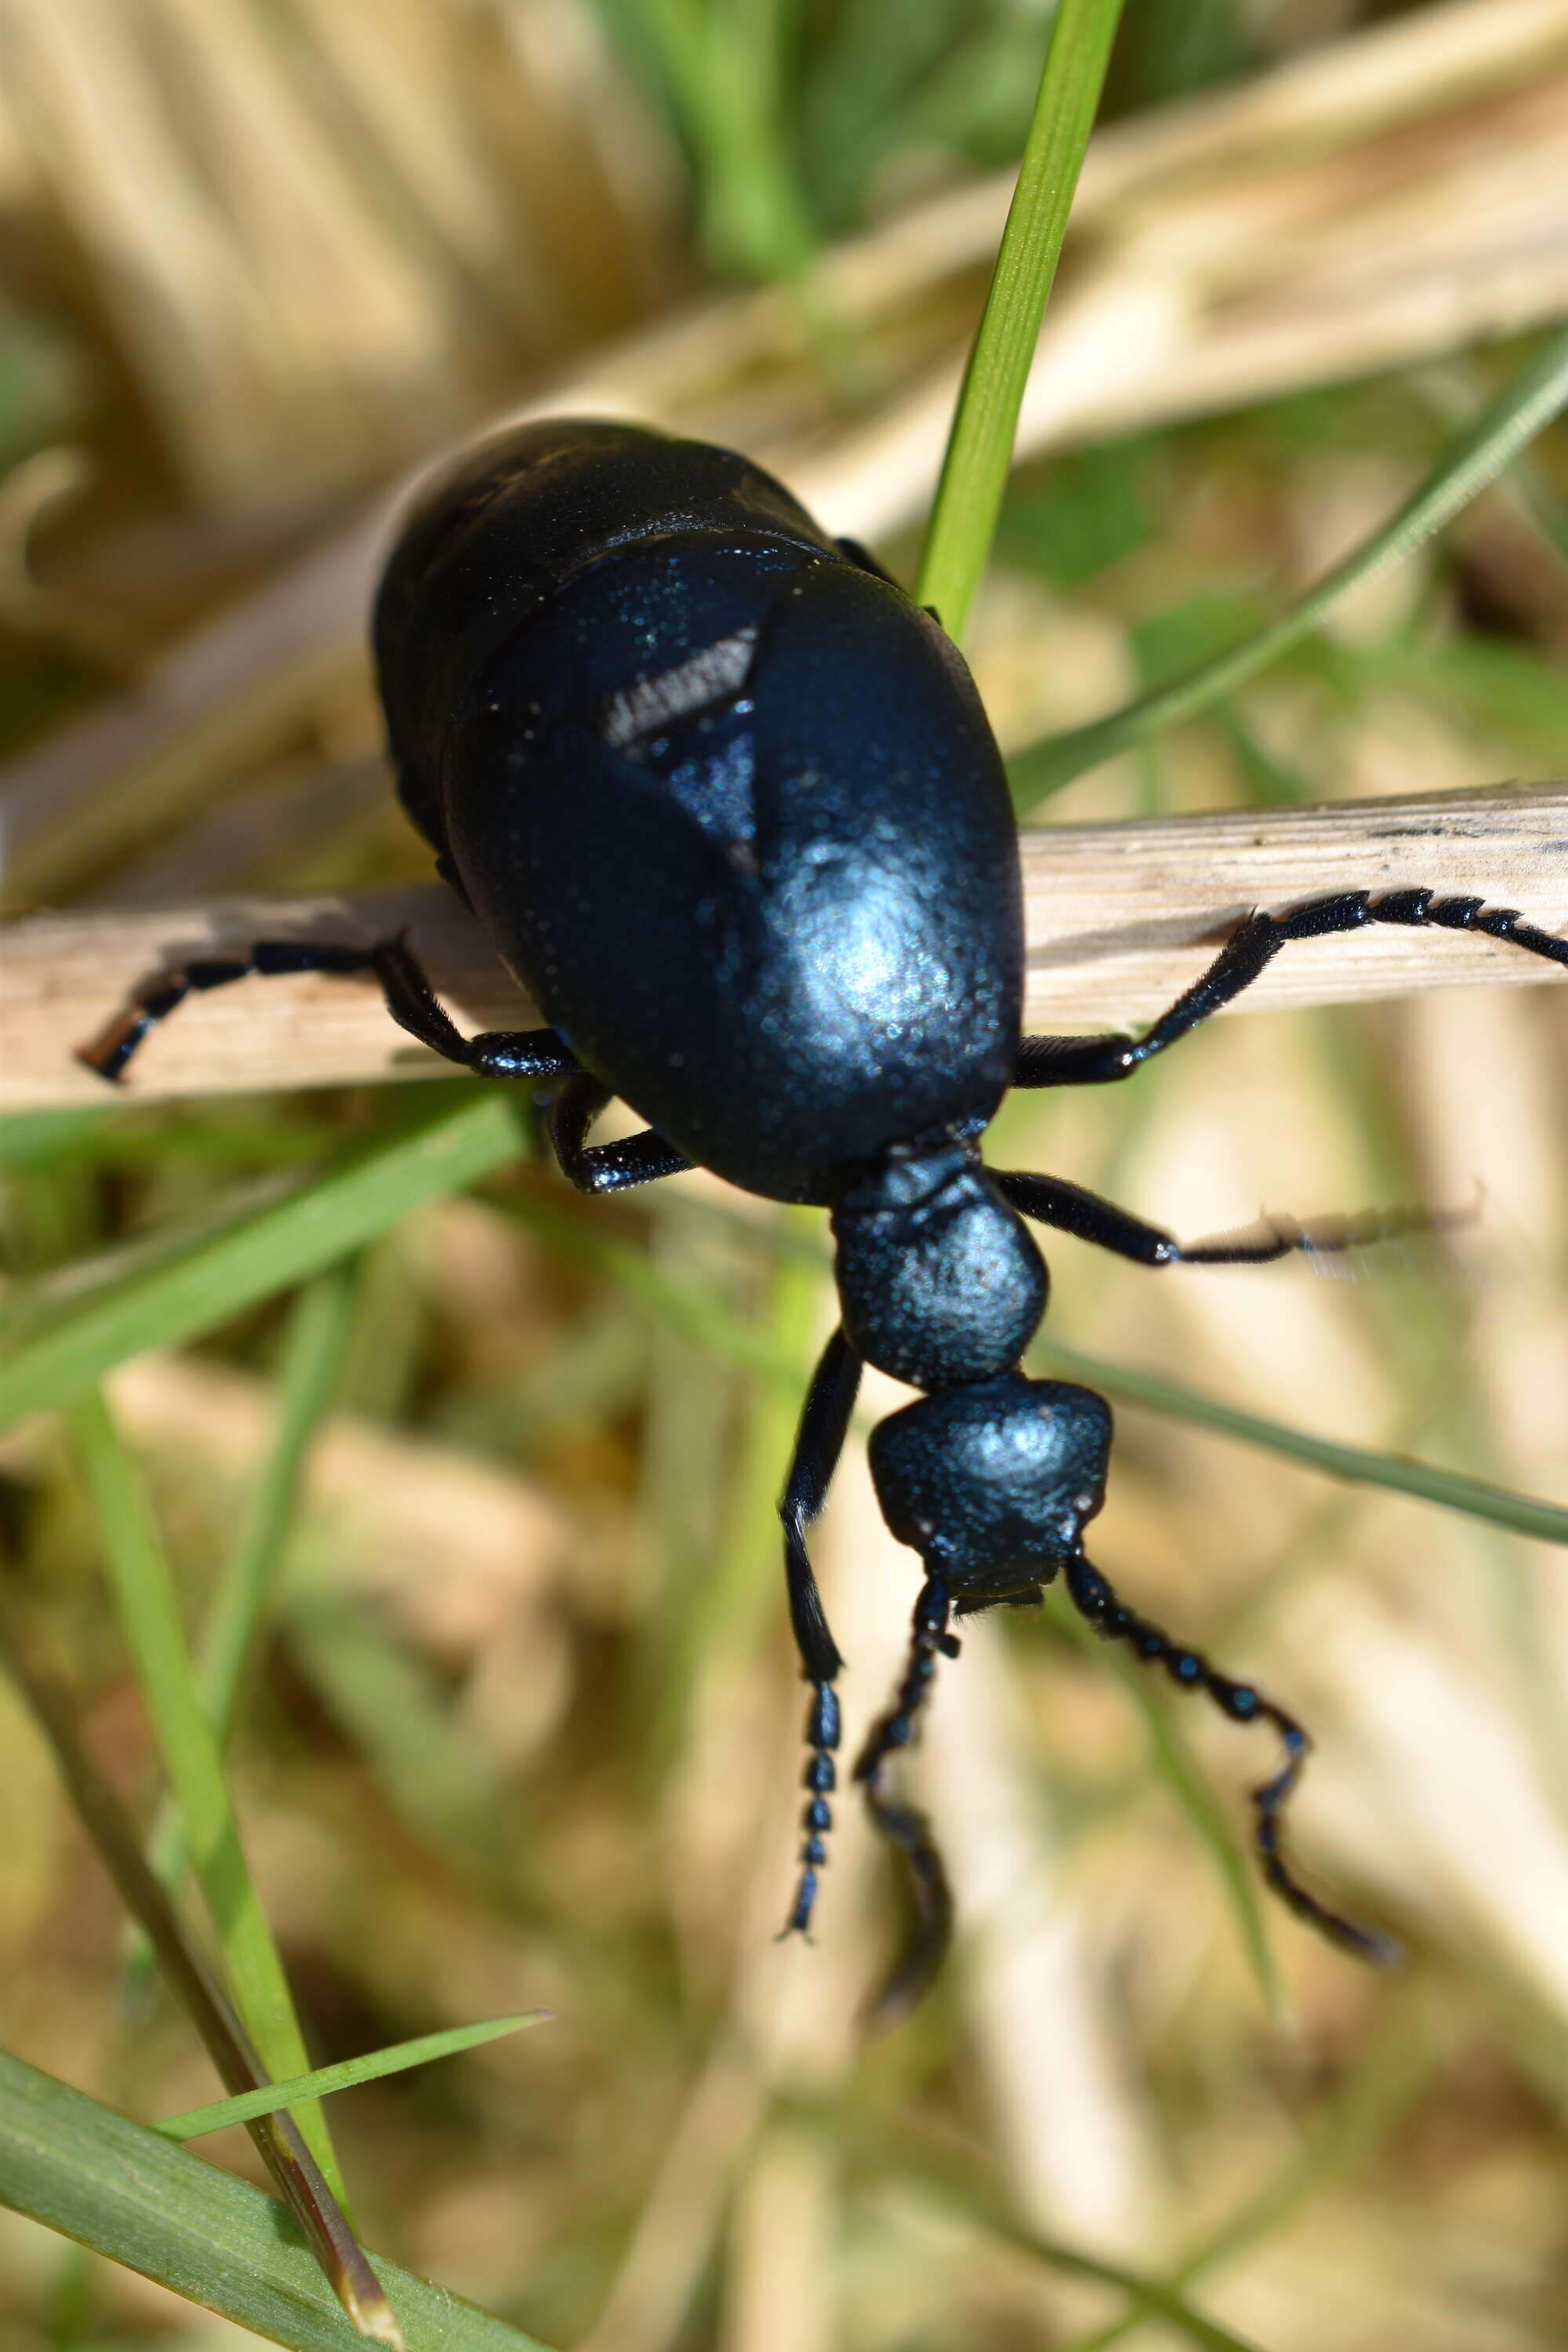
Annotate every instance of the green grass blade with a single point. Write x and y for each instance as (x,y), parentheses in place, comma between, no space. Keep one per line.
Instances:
(980,446)
(320,2218)
(722,1618)
(149,1614)
(390,1707)
(1523,409)
(723,70)
(696,1312)
(395,2059)
(311,1362)
(67,1332)
(29,1139)
(1451,1490)
(94,2176)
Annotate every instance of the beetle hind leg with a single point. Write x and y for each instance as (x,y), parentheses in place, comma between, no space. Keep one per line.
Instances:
(410,1000)
(1095,1599)
(109,1053)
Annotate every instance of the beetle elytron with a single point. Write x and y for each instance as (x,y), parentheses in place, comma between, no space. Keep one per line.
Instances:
(727,807)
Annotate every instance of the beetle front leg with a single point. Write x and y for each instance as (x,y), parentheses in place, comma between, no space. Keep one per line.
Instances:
(410,1000)
(823,1425)
(1097,1061)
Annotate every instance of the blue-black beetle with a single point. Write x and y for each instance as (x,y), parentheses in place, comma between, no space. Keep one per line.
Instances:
(726,802)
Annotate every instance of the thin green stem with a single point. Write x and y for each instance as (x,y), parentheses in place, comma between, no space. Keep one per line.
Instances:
(395,2059)
(148,1610)
(312,1360)
(1522,410)
(1449,1490)
(980,446)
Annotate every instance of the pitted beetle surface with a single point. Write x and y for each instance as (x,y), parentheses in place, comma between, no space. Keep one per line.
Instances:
(727,804)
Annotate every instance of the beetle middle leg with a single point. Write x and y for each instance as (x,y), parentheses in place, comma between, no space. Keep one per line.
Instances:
(603,1167)
(1072,1209)
(1097,1061)
(823,1425)
(410,1000)
(1095,1599)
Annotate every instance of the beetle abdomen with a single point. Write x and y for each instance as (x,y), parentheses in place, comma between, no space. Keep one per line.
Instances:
(730,808)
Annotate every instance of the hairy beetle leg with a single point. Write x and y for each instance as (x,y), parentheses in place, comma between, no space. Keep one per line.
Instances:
(1072,1209)
(1095,1599)
(410,1000)
(1097,1061)
(903,1825)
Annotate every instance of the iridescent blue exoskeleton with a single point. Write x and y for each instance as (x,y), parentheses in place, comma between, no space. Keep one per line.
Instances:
(726,803)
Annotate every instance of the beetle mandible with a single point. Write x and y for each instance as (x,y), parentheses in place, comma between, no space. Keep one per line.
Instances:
(727,804)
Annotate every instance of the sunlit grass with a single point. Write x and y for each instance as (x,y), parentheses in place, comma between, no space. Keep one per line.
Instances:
(478,1771)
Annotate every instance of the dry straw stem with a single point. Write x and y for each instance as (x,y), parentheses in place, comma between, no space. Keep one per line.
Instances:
(1398,197)
(296,242)
(1120,918)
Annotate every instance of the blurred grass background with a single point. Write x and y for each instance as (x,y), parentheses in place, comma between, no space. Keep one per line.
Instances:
(525,1729)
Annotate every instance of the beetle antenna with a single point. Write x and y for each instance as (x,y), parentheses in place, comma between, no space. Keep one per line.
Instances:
(903,1825)
(1094,1597)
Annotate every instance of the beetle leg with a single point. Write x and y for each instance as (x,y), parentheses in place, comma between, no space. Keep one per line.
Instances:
(410,1000)
(1094,1598)
(902,1825)
(1070,1209)
(823,1425)
(605,1167)
(493,1054)
(863,559)
(1095,1061)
